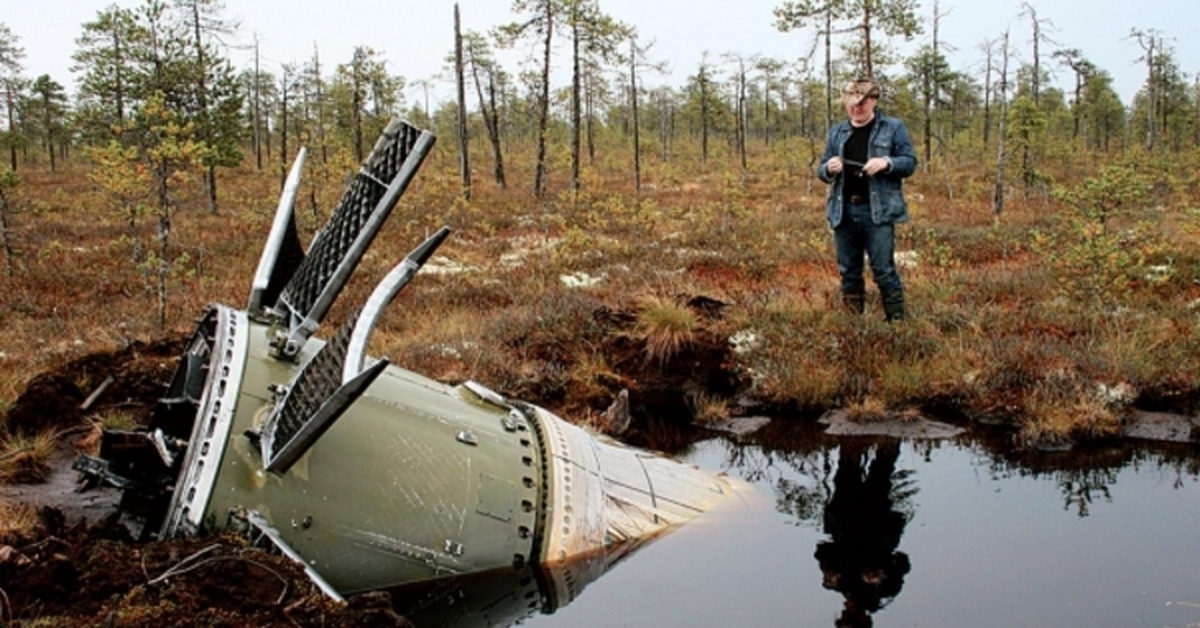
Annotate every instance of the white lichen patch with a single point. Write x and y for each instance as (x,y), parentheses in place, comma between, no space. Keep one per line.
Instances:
(527,246)
(1159,273)
(907,259)
(580,280)
(1118,394)
(440,265)
(744,341)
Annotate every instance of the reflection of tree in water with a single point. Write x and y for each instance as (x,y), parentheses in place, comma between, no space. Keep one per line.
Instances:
(1080,488)
(805,501)
(865,518)
(1086,475)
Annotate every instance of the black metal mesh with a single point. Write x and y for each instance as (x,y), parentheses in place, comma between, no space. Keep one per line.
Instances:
(332,244)
(316,382)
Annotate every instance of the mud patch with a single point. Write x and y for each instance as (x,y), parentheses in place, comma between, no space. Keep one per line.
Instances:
(1160,426)
(54,400)
(739,426)
(61,492)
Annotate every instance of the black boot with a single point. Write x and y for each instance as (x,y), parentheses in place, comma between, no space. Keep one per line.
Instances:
(893,306)
(855,302)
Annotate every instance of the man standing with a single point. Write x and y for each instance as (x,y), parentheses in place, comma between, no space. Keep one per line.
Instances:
(866,159)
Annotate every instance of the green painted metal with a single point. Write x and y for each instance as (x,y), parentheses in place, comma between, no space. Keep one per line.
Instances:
(420,480)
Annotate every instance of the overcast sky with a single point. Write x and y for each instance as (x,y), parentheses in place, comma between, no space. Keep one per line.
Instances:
(416,35)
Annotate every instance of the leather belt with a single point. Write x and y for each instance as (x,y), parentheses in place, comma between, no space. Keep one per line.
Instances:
(855,199)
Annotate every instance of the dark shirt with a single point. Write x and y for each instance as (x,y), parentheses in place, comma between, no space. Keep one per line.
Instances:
(856,151)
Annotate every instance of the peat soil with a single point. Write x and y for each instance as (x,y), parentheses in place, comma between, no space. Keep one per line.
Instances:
(78,566)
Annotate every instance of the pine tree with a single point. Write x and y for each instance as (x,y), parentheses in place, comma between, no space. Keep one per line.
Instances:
(48,108)
(543,16)
(13,84)
(105,60)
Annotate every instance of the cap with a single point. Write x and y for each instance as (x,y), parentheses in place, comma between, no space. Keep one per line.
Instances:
(858,90)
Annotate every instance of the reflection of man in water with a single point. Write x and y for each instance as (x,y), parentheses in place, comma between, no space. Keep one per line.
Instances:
(860,560)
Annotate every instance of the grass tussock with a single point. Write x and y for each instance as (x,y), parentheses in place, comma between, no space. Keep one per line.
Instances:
(594,381)
(708,408)
(868,410)
(26,459)
(1058,420)
(17,521)
(665,326)
(116,419)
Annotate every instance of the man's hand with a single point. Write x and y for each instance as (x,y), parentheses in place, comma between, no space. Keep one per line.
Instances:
(875,165)
(834,165)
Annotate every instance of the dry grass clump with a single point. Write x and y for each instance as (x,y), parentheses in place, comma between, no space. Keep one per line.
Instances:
(665,326)
(791,354)
(867,410)
(593,381)
(1055,420)
(707,408)
(26,459)
(17,521)
(116,419)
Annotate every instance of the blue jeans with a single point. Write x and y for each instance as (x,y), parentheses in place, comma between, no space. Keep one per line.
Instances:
(858,235)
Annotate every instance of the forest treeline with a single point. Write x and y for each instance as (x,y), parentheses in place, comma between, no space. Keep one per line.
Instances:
(162,65)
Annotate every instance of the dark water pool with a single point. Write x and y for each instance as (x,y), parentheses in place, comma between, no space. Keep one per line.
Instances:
(862,532)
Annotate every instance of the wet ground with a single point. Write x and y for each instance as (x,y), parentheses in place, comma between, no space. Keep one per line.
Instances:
(892,524)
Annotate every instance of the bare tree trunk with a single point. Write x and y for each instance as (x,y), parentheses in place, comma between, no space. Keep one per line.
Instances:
(257,110)
(49,134)
(210,171)
(463,140)
(285,89)
(998,194)
(576,104)
(357,105)
(10,101)
(589,117)
(867,52)
(539,177)
(6,233)
(828,66)
(319,84)
(741,120)
(164,235)
(987,95)
(633,106)
(491,121)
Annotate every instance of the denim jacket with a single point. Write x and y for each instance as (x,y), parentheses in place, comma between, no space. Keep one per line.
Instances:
(888,139)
